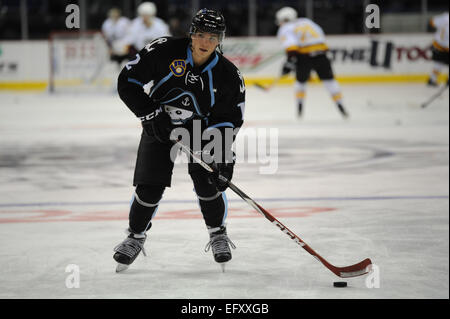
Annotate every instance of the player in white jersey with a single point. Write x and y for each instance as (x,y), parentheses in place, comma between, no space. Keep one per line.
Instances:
(114,29)
(440,47)
(305,47)
(146,27)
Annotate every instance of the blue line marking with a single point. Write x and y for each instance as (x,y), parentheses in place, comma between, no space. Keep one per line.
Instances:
(281,199)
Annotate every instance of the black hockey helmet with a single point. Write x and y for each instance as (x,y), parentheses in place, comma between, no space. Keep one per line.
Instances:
(208,20)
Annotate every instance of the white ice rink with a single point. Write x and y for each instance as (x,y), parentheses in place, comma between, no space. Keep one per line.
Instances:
(375,185)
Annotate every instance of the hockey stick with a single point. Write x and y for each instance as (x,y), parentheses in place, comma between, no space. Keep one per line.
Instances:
(271,85)
(435,96)
(358,269)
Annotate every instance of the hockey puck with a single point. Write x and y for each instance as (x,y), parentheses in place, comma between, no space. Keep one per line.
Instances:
(340,284)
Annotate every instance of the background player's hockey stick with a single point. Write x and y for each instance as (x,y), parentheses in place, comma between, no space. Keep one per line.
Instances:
(435,96)
(358,269)
(271,85)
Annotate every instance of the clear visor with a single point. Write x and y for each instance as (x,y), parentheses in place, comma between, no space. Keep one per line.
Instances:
(211,36)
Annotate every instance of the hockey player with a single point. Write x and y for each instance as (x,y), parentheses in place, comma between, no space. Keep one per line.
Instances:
(305,47)
(145,28)
(440,47)
(188,83)
(114,30)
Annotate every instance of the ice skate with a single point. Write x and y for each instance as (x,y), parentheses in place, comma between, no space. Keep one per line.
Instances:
(432,83)
(220,245)
(128,250)
(342,110)
(299,109)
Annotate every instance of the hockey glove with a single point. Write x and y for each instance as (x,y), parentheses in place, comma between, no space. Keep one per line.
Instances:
(224,169)
(157,124)
(289,65)
(221,161)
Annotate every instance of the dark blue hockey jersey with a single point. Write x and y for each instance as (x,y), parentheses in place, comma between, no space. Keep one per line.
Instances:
(163,74)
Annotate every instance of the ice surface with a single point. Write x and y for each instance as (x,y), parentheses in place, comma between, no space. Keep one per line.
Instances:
(375,185)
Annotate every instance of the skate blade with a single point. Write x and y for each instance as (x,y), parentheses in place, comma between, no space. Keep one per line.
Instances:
(222,266)
(121,267)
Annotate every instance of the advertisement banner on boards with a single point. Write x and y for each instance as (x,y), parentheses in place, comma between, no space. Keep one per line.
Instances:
(351,55)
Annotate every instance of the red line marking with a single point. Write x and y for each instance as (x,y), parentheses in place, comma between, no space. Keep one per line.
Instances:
(49,215)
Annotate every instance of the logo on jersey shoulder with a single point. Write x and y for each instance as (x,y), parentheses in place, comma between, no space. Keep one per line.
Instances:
(149,47)
(178,67)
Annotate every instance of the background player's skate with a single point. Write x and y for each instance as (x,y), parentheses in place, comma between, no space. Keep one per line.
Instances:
(435,96)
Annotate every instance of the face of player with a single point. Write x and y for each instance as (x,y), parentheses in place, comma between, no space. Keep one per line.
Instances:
(203,45)
(147,19)
(114,14)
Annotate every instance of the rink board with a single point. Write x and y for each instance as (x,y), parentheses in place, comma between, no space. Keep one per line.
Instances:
(356,59)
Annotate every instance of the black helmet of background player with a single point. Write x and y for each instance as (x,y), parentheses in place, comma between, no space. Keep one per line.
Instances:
(211,21)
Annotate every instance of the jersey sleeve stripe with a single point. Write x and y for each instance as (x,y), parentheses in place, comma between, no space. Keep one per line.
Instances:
(135,81)
(165,79)
(223,124)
